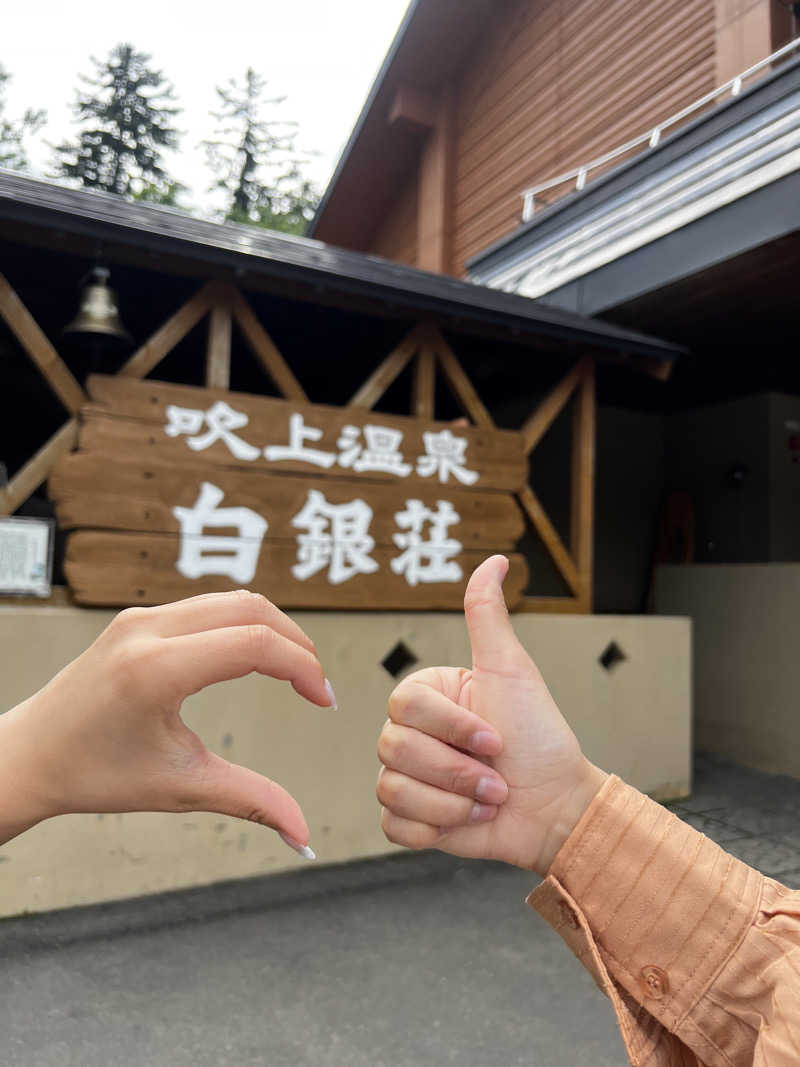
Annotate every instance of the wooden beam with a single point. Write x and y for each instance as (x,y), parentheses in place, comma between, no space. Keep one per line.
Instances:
(424,400)
(460,383)
(550,605)
(265,349)
(583,463)
(413,108)
(650,366)
(436,183)
(539,422)
(171,333)
(38,468)
(218,352)
(549,535)
(30,335)
(382,377)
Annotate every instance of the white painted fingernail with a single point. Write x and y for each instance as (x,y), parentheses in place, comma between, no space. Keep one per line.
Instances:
(303,850)
(331,695)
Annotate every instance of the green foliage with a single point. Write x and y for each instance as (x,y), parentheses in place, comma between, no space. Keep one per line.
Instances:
(13,132)
(127,116)
(255,160)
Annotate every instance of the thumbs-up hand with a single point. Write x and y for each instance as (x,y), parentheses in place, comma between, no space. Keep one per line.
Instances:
(480,762)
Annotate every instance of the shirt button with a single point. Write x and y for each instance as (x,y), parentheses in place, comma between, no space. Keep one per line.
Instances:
(655,982)
(568,916)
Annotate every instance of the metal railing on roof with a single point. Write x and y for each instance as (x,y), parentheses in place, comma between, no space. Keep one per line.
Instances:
(652,137)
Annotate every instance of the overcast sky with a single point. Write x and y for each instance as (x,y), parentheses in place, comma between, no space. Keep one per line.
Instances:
(322,54)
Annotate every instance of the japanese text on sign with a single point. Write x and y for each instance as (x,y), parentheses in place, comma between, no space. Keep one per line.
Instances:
(444,452)
(334,538)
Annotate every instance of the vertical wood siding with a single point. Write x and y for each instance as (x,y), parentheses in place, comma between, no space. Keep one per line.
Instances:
(553,84)
(560,82)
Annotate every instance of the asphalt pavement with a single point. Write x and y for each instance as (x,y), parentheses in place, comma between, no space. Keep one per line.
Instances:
(401,962)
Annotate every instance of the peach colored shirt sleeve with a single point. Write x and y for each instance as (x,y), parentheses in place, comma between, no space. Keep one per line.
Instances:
(698,953)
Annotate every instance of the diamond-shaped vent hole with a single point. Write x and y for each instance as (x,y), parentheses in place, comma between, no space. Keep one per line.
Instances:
(399,660)
(611,656)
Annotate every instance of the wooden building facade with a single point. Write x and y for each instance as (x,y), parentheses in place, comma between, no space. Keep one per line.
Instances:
(480,99)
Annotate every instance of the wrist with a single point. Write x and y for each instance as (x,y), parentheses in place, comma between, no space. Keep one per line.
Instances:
(570,811)
(22,794)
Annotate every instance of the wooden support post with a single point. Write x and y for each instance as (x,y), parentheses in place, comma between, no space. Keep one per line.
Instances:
(30,335)
(435,199)
(265,349)
(583,463)
(171,333)
(368,394)
(424,400)
(218,352)
(38,468)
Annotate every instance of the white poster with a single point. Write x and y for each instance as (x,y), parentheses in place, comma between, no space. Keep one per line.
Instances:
(26,556)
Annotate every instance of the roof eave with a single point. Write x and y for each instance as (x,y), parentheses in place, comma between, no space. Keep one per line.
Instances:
(308,263)
(377,85)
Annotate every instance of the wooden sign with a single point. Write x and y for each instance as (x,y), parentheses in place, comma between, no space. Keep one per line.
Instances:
(184,424)
(120,568)
(95,493)
(178,490)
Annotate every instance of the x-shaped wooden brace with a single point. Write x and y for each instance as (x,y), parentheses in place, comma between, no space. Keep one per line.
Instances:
(224,304)
(220,301)
(427,344)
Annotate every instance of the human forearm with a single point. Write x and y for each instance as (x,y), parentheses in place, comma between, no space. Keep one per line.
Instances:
(567,814)
(668,922)
(23,801)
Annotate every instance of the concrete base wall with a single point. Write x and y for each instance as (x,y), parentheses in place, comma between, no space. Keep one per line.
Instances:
(747,667)
(634,720)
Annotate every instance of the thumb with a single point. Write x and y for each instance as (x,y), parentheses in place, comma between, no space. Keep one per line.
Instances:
(233,790)
(494,644)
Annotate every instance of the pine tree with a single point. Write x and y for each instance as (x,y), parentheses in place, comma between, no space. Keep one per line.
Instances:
(13,132)
(255,160)
(127,115)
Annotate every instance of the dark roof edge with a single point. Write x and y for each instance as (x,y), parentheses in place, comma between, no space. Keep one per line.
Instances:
(312,263)
(376,87)
(721,117)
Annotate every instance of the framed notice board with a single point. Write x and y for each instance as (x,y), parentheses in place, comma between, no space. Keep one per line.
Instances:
(26,556)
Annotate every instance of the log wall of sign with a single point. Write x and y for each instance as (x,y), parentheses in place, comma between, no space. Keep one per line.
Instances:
(116,569)
(123,422)
(129,418)
(176,490)
(91,492)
